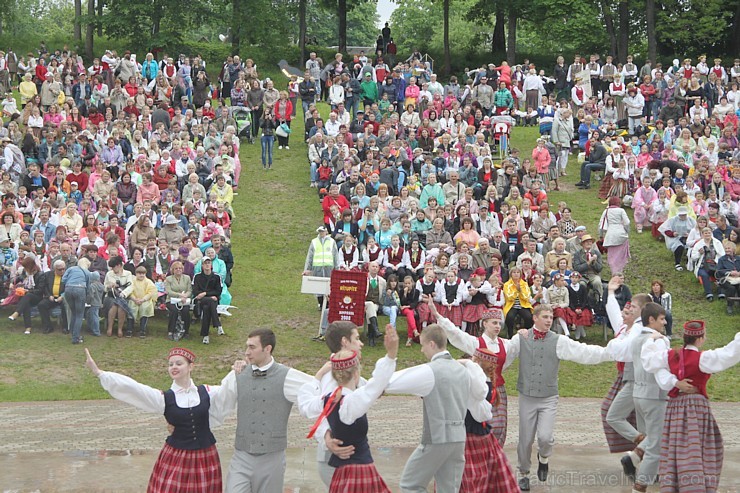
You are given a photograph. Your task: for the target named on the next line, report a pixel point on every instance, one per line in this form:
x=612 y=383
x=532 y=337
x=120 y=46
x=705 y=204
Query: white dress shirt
x=654 y=356
x=468 y=343
x=566 y=349
x=151 y=400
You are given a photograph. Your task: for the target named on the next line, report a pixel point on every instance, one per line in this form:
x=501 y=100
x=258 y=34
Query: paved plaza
x=106 y=446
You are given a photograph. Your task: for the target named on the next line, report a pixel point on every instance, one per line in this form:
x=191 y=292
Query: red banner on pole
x=347 y=296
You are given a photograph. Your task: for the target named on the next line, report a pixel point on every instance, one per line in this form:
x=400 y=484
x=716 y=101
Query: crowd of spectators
x=412 y=189
x=118 y=178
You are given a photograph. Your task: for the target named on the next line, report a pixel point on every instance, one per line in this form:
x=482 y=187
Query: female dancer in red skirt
x=188 y=462
x=346 y=412
x=486 y=468
x=491 y=320
x=691 y=450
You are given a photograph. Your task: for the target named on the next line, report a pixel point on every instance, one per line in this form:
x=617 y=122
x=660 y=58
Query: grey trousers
x=444 y=462
x=622 y=405
x=249 y=473
x=326 y=472
x=536 y=416
x=652 y=412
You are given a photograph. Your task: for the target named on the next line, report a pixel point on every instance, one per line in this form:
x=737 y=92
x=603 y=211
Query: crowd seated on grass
x=417 y=185
x=128 y=169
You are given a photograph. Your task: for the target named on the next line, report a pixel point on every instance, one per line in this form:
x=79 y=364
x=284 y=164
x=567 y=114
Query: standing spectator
x=614 y=230
x=206 y=292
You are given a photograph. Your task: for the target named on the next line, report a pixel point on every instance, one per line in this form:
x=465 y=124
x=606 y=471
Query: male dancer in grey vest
x=448 y=389
x=540 y=352
x=264 y=394
x=626 y=329
x=650 y=399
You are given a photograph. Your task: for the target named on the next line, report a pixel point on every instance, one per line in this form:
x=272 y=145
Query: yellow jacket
x=511 y=292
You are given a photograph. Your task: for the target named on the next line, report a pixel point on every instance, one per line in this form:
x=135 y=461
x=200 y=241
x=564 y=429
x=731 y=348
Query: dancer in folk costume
x=619 y=405
x=449 y=296
x=487 y=470
x=340 y=336
x=475 y=300
x=492 y=320
x=345 y=409
x=449 y=389
x=691 y=449
x=617 y=408
x=188 y=462
x=650 y=399
x=540 y=351
x=426 y=286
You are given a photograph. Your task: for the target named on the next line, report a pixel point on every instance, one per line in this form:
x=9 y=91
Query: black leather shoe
x=628 y=467
x=542 y=470
x=49 y=330
x=524 y=484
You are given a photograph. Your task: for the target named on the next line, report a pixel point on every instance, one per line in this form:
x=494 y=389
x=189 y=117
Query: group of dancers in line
x=657 y=409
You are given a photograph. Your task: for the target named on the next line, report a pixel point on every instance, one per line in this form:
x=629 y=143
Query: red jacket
x=340 y=201
x=279 y=116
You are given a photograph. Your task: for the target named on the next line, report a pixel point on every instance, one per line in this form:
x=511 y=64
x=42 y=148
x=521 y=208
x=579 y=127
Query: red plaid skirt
x=691 y=451
x=357 y=478
x=500 y=421
x=186 y=471
x=560 y=313
x=453 y=314
x=586 y=318
x=425 y=314
x=487 y=469
x=473 y=313
x=617 y=443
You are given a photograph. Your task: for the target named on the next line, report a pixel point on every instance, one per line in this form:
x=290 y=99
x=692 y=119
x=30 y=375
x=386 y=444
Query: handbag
x=283 y=130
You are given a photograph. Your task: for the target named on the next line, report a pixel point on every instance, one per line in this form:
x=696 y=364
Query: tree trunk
x=609 y=23
x=78 y=16
x=446 y=37
x=236 y=29
x=734 y=40
x=498 y=44
x=651 y=34
x=624 y=31
x=101 y=3
x=342 y=14
x=90 y=29
x=302 y=30
x=511 y=38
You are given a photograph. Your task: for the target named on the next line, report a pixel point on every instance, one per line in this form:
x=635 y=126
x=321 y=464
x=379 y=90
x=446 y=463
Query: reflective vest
x=322 y=252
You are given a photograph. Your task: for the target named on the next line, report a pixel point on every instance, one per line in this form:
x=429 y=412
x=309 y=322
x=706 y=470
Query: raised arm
x=461 y=340
x=127 y=389
x=357 y=404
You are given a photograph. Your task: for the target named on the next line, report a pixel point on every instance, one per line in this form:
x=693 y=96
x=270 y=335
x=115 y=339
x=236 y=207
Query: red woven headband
x=694 y=328
x=178 y=351
x=346 y=363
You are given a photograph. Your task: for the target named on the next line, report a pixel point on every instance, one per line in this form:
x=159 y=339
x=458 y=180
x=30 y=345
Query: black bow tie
x=259 y=373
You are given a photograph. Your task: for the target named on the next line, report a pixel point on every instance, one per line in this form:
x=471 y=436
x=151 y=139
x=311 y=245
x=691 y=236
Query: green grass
x=276 y=214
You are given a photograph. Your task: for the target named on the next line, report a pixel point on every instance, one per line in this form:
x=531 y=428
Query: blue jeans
x=392 y=312
x=657 y=105
x=268 y=141
x=353 y=104
x=706 y=281
x=75 y=297
x=588 y=168
x=93 y=319
x=305 y=105
x=314 y=172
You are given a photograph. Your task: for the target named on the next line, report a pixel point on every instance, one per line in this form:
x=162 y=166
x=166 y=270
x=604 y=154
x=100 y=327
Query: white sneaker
x=206 y=340
x=280 y=147
x=221 y=331
x=287 y=148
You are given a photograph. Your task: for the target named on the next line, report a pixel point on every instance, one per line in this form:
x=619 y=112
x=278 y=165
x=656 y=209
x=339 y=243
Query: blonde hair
x=345 y=376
